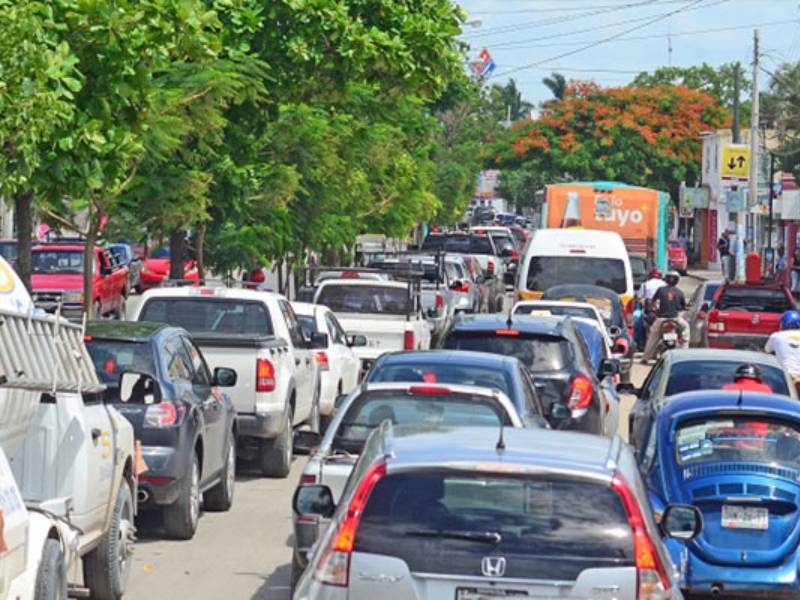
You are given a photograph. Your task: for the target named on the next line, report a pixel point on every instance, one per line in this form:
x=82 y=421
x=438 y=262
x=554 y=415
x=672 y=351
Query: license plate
x=488 y=594
x=745 y=517
x=670 y=337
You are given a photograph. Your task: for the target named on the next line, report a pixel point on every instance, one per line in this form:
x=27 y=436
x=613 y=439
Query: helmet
x=655 y=273
x=748 y=371
x=672 y=278
x=790 y=320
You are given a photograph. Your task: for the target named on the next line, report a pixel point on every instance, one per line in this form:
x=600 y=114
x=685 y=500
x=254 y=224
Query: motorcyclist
x=649 y=288
x=748 y=378
x=667 y=304
x=785 y=344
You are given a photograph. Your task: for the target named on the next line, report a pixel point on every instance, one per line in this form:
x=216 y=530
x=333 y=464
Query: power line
x=660 y=36
x=555 y=20
x=578 y=8
x=608 y=39
x=516 y=43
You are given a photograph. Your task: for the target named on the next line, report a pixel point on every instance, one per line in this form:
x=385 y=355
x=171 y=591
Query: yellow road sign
x=735 y=161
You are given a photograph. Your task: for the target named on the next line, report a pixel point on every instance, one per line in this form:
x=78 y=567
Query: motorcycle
x=670 y=336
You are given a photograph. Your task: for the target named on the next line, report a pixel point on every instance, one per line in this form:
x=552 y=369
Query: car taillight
x=333 y=567
x=162 y=414
x=714 y=324
x=653 y=583
x=308 y=479
x=429 y=390
x=515 y=255
x=265 y=376
x=580 y=392
x=322 y=360
x=439 y=301
x=408 y=340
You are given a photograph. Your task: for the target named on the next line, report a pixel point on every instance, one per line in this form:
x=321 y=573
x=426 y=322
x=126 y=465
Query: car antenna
x=501 y=443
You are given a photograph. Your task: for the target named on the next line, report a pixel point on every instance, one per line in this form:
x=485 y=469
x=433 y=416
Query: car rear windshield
x=750 y=439
x=754 y=300
x=57 y=261
x=112 y=357
x=540 y=353
x=711 y=289
x=210 y=316
x=365 y=299
x=409 y=408
x=308 y=324
x=713 y=374
x=405 y=271
x=9 y=250
x=546 y=271
x=434 y=242
x=447 y=522
x=544 y=310
x=503 y=239
x=465 y=374
x=460 y=244
x=638 y=266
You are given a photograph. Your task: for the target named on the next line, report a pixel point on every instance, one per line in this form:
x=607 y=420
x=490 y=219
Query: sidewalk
x=705 y=275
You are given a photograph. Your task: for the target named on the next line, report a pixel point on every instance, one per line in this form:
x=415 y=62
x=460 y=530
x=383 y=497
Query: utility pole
x=753 y=196
x=736 y=107
x=669 y=44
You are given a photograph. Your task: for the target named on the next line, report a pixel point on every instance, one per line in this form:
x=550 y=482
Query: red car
x=677 y=257
x=57 y=278
x=744 y=315
x=156 y=269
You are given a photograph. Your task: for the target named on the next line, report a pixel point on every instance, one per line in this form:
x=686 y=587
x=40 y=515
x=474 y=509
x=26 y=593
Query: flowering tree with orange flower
x=647 y=136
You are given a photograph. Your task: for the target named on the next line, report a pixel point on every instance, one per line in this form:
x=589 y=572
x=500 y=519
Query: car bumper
x=740 y=341
x=160 y=484
x=261 y=425
x=151 y=280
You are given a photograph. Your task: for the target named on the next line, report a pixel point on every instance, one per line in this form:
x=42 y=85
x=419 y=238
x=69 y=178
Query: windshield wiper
x=485 y=537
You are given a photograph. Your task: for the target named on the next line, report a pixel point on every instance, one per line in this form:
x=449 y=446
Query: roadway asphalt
x=243 y=554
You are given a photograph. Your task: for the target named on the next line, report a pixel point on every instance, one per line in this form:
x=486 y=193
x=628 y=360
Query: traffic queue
x=460 y=445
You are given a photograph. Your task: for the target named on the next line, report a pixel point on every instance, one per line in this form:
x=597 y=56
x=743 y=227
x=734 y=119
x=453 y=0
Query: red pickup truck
x=57 y=278
x=744 y=315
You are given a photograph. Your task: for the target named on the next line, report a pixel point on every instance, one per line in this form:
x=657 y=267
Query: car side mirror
x=319 y=341
x=628 y=388
x=306 y=441
x=356 y=341
x=608 y=367
x=139 y=388
x=314 y=501
x=559 y=412
x=224 y=377
x=681 y=522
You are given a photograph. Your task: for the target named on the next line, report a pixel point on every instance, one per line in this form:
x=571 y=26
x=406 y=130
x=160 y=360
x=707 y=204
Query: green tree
x=557 y=84
x=519 y=186
x=38 y=79
x=781 y=111
x=507 y=101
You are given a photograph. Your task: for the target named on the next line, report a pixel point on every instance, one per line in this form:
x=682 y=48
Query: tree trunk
x=23 y=223
x=177 y=260
x=199 y=240
x=88 y=267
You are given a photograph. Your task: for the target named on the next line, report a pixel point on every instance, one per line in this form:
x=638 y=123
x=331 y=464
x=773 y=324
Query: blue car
x=736 y=457
x=504 y=373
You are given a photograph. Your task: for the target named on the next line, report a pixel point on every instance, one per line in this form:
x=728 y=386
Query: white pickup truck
x=387 y=313
x=257 y=334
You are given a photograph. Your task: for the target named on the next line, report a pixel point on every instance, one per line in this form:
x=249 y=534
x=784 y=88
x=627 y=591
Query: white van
x=562 y=256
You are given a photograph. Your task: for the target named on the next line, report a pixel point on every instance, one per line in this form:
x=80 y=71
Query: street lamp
x=473 y=23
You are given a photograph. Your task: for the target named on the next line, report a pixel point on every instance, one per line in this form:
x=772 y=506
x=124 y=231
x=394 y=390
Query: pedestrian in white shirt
x=785 y=344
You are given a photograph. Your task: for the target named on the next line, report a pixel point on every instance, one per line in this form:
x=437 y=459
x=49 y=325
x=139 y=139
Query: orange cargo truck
x=639 y=215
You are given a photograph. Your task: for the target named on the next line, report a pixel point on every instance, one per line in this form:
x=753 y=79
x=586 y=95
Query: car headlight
x=72 y=297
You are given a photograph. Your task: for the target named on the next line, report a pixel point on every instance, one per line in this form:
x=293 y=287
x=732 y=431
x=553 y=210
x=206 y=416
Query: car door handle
x=297 y=361
x=96 y=433
x=308 y=361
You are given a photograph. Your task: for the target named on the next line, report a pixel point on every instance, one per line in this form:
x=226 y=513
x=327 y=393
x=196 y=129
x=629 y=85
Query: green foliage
x=557 y=84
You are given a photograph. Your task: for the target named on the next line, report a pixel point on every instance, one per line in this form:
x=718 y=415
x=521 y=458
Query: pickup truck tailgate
x=384 y=333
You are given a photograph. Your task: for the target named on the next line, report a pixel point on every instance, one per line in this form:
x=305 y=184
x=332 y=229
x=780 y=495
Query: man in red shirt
x=748 y=379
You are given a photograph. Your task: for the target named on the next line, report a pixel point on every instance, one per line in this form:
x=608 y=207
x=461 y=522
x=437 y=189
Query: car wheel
x=220 y=497
x=51 y=582
x=276 y=454
x=106 y=569
x=181 y=517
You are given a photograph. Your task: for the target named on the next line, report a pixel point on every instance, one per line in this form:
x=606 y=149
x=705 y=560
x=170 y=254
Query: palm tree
x=557 y=84
x=508 y=99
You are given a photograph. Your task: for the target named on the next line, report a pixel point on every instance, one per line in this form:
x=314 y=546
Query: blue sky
x=519 y=33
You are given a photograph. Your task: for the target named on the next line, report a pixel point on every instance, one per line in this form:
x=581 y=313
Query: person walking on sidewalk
x=724 y=249
x=668 y=302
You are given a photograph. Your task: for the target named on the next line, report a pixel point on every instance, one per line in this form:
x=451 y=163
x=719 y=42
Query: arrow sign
x=735 y=163
x=732 y=163
x=741 y=160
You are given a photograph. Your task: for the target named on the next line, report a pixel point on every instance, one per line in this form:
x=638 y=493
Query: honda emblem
x=493 y=566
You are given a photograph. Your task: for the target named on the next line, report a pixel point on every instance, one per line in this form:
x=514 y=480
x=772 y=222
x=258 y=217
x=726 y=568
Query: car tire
x=220 y=497
x=106 y=569
x=276 y=454
x=181 y=517
x=297 y=571
x=51 y=581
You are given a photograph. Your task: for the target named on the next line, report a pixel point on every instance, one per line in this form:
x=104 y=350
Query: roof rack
x=45 y=353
